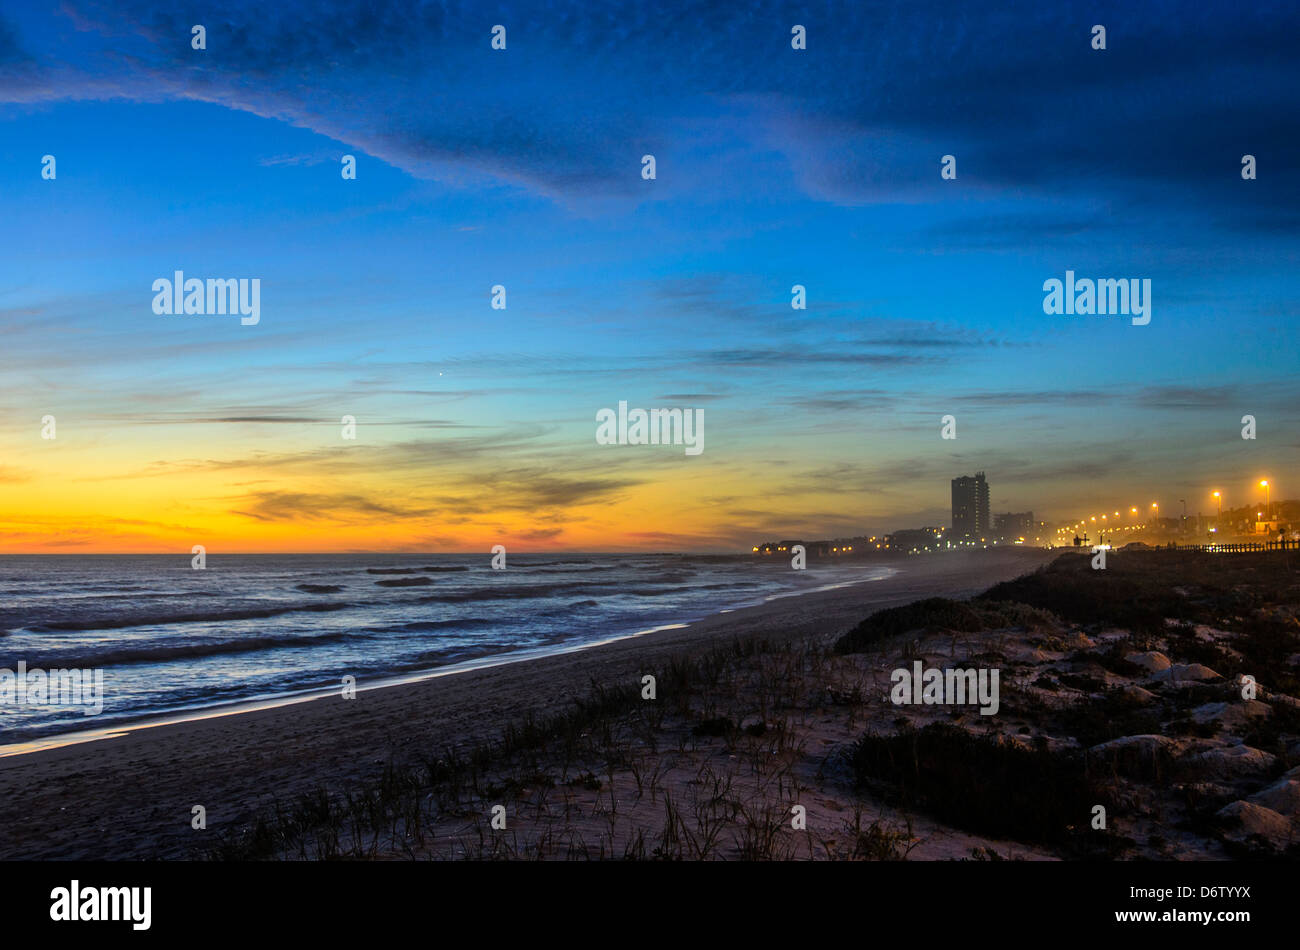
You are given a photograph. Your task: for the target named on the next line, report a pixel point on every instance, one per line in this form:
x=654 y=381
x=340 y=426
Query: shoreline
x=129 y=722
x=129 y=795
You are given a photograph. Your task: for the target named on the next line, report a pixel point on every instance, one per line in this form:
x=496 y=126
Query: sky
x=522 y=167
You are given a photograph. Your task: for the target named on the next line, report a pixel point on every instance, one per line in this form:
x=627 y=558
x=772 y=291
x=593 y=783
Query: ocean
x=169 y=638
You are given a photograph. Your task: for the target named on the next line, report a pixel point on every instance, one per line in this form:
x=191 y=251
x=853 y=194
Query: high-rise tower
x=970 y=507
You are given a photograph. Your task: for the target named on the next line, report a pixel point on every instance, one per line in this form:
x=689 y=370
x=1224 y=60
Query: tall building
x=1013 y=524
x=970 y=507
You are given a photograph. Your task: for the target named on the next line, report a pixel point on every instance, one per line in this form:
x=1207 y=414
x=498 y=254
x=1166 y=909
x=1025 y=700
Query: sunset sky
x=522 y=167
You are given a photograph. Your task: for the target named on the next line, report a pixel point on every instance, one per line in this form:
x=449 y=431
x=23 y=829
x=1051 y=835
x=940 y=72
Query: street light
x=1219 y=500
x=1268 y=494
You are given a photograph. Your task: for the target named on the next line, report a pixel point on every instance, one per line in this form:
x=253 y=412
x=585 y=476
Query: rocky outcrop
x=1180 y=674
x=1151 y=661
x=1140 y=757
x=1248 y=820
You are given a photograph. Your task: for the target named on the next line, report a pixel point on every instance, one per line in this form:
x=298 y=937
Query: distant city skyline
x=522 y=168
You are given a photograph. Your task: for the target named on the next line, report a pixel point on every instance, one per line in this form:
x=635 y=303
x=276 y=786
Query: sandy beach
x=131 y=796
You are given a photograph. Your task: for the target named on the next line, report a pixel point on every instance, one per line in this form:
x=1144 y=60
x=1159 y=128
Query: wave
x=154 y=653
x=152 y=620
x=575 y=605
x=576 y=560
x=538 y=591
x=89 y=594
x=671 y=577
x=513 y=592
x=116 y=588
x=413 y=570
x=417 y=625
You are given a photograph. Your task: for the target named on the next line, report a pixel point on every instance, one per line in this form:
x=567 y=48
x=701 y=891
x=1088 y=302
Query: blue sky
x=522 y=167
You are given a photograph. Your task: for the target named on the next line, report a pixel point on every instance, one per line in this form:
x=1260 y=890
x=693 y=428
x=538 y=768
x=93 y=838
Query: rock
x=1257 y=820
x=1137 y=694
x=1185 y=673
x=1135 y=756
x=1151 y=661
x=1148 y=742
x=1236 y=685
x=1208 y=790
x=1283 y=797
x=1111 y=635
x=1231 y=715
x=1228 y=761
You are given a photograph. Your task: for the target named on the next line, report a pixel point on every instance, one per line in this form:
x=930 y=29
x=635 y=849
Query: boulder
x=1232 y=715
x=1137 y=694
x=1257 y=820
x=1151 y=661
x=1283 y=797
x=1185 y=674
x=1140 y=757
x=1228 y=761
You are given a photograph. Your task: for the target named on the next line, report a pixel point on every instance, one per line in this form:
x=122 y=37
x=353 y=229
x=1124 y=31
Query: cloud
x=188 y=418
x=846 y=400
x=318 y=158
x=540 y=534
x=528 y=488
x=1055 y=397
x=1189 y=397
x=1017 y=94
x=270 y=506
x=766 y=358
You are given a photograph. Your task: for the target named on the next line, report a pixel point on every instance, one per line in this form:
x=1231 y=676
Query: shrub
x=979 y=783
x=938 y=613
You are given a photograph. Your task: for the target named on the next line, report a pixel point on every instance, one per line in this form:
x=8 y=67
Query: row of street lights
x=1268 y=495
x=1155 y=506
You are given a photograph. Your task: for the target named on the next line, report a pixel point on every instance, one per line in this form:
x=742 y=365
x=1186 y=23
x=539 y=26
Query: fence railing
x=1240 y=547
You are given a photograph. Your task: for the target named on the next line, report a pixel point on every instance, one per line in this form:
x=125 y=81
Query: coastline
x=142 y=780
x=194 y=713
